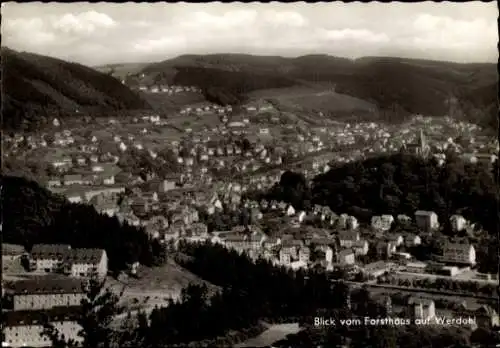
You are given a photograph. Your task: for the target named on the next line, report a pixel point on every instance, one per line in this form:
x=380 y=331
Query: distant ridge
x=37 y=87
x=413 y=86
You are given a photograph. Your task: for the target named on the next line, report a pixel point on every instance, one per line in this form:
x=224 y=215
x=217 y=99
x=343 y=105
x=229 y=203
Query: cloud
x=441 y=31
x=85 y=23
x=354 y=34
x=229 y=20
x=285 y=18
x=104 y=33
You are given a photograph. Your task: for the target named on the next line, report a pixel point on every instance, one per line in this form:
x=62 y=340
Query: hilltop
x=397 y=86
x=37 y=87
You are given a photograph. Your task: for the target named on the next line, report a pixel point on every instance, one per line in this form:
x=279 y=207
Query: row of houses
x=29 y=303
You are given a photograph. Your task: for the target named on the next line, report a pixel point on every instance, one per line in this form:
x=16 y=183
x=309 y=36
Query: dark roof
x=17 y=318
x=84 y=256
x=12 y=249
x=46 y=250
x=45 y=285
x=66 y=254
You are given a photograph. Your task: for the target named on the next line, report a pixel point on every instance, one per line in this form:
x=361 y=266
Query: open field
x=162 y=102
x=155 y=286
x=272 y=334
x=308 y=99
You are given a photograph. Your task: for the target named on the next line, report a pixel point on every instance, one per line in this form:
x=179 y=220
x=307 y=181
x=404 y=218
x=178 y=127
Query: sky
x=103 y=33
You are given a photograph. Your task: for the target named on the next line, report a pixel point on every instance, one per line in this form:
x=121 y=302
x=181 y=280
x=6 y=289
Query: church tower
x=423 y=147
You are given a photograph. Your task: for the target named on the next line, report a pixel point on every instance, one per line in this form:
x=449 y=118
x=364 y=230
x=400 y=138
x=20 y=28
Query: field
x=121 y=70
x=272 y=334
x=167 y=104
x=313 y=99
x=154 y=286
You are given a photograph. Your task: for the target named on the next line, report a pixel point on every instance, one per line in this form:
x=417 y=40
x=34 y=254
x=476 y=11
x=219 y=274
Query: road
x=443 y=293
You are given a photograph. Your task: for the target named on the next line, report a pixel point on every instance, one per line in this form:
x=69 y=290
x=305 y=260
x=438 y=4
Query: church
x=421 y=148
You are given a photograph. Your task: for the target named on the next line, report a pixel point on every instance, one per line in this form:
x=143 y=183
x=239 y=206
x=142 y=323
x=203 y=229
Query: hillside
x=38 y=216
x=36 y=87
x=395 y=85
x=121 y=70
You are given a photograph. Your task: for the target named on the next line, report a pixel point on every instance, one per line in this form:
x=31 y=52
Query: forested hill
x=36 y=87
x=400 y=184
x=35 y=215
x=409 y=85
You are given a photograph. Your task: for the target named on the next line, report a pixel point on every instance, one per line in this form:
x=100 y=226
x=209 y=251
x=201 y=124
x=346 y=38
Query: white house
x=426 y=220
x=458 y=223
x=290 y=211
x=457 y=253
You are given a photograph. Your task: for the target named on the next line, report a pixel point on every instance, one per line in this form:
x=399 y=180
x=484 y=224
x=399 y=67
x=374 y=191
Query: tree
x=98 y=309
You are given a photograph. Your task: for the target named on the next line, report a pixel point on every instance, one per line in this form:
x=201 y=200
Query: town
x=180 y=191
x=264 y=175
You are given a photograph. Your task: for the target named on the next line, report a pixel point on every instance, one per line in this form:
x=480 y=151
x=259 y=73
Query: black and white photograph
x=250 y=175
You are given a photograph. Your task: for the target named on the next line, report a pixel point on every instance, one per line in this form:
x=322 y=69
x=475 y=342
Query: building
x=24 y=329
x=360 y=247
x=422 y=309
x=75 y=262
x=426 y=220
x=348 y=238
x=416 y=267
x=420 y=148
x=48 y=257
x=457 y=253
x=412 y=240
x=378 y=268
x=382 y=223
x=86 y=263
x=352 y=223
x=458 y=223
x=346 y=257
x=304 y=254
x=43 y=293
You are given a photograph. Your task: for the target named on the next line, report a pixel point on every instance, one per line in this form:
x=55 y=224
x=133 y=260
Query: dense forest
x=33 y=215
x=37 y=87
x=405 y=85
x=228 y=87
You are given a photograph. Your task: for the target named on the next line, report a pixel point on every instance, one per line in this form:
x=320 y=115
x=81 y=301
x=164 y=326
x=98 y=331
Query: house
x=75 y=179
x=458 y=223
x=304 y=254
x=86 y=263
x=412 y=240
x=48 y=257
x=348 y=238
x=416 y=267
x=422 y=309
x=23 y=329
x=382 y=223
x=302 y=215
x=395 y=239
x=342 y=221
x=457 y=253
x=403 y=219
x=289 y=250
x=199 y=229
x=346 y=257
x=486 y=317
x=426 y=220
x=43 y=293
x=360 y=247
x=290 y=211
x=352 y=223
x=378 y=268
